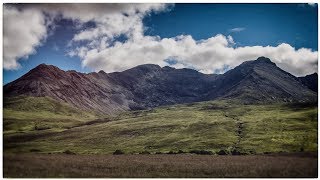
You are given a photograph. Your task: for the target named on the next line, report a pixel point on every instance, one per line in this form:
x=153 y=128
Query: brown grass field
x=163 y=165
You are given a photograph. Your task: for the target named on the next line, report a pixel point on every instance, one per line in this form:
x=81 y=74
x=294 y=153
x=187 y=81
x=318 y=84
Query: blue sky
x=240 y=25
x=264 y=24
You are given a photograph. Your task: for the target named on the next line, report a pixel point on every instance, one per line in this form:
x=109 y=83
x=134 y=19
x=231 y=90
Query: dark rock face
x=153 y=86
x=92 y=91
x=150 y=85
x=262 y=81
x=311 y=81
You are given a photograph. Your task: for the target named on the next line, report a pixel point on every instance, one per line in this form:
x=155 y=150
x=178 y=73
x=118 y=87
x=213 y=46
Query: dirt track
x=181 y=165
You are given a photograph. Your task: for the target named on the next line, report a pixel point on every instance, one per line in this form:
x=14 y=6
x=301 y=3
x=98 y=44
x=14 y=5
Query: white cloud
x=55 y=47
x=208 y=55
x=23 y=31
x=305 y=5
x=312 y=4
x=25 y=26
x=99 y=49
x=85 y=12
x=230 y=40
x=237 y=29
x=111 y=20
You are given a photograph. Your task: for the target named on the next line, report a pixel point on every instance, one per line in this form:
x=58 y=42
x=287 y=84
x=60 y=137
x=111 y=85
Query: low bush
x=201 y=152
x=222 y=152
x=39 y=128
x=35 y=150
x=171 y=152
x=235 y=152
x=118 y=152
x=69 y=152
x=145 y=152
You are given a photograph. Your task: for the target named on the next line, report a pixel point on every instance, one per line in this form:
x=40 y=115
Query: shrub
x=222 y=152
x=35 y=150
x=118 y=152
x=235 y=152
x=171 y=152
x=201 y=152
x=68 y=152
x=181 y=152
x=145 y=152
x=39 y=128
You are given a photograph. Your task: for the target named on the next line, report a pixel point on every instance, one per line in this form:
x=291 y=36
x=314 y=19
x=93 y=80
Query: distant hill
x=261 y=81
x=311 y=81
x=147 y=86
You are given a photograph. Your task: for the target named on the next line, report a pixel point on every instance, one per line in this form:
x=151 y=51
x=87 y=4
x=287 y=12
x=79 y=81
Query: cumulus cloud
x=208 y=56
x=111 y=20
x=23 y=31
x=237 y=29
x=85 y=12
x=306 y=5
x=25 y=25
x=312 y=4
x=99 y=47
x=230 y=40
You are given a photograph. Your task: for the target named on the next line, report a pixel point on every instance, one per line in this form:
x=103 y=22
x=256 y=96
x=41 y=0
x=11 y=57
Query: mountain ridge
x=310 y=81
x=147 y=86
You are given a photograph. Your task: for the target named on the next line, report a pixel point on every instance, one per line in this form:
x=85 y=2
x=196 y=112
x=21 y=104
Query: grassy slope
x=24 y=114
x=213 y=126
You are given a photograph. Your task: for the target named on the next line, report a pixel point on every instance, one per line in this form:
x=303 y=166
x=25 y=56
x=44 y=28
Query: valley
x=256 y=120
x=278 y=140
x=211 y=126
x=160 y=89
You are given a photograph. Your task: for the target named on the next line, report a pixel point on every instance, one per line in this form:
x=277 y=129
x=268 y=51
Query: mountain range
x=147 y=86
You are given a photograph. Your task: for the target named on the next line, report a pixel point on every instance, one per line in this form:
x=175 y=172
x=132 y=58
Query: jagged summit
x=259 y=61
x=149 y=85
x=263 y=59
x=311 y=81
x=102 y=72
x=144 y=68
x=44 y=66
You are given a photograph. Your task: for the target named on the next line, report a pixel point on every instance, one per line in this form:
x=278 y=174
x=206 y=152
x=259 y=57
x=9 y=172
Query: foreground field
x=97 y=166
x=43 y=138
x=214 y=127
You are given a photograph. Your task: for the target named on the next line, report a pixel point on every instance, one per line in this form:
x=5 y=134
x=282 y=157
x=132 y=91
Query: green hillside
x=211 y=126
x=24 y=114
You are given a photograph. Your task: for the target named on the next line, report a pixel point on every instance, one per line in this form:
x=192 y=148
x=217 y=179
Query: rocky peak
x=142 y=70
x=148 y=67
x=45 y=67
x=44 y=71
x=150 y=85
x=102 y=72
x=311 y=81
x=265 y=60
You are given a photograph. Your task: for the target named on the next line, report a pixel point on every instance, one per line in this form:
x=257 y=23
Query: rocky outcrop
x=149 y=85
